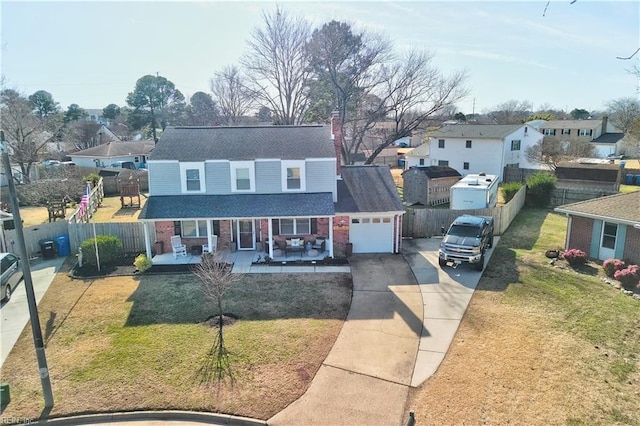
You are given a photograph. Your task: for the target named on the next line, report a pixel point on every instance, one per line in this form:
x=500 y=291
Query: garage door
x=371 y=234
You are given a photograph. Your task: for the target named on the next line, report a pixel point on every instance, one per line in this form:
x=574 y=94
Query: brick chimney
x=605 y=120
x=336 y=135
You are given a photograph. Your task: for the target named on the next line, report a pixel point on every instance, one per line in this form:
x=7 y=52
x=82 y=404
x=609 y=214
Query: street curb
x=137 y=416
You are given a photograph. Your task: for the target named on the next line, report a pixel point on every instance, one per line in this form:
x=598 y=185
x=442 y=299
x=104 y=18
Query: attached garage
x=372 y=234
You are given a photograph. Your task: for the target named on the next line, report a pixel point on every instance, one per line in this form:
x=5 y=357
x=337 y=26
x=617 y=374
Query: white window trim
x=252 y=175
x=197 y=228
x=295 y=225
x=184 y=166
x=285 y=164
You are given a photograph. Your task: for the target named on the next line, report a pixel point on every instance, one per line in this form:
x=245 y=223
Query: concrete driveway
x=14 y=314
x=365 y=378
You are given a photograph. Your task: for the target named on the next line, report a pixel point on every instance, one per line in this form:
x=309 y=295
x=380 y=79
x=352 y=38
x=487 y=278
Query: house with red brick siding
x=253 y=187
x=605 y=227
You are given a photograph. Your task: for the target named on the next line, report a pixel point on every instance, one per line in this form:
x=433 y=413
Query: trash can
x=63 y=246
x=48 y=249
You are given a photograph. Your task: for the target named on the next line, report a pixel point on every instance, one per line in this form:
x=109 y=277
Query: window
x=295 y=226
x=193 y=180
x=422 y=161
x=355 y=220
x=386 y=220
x=440 y=143
x=468 y=144
x=609 y=234
x=566 y=131
x=549 y=132
x=515 y=145
x=443 y=163
x=242 y=176
x=585 y=132
x=465 y=166
x=293 y=175
x=195 y=228
x=192 y=177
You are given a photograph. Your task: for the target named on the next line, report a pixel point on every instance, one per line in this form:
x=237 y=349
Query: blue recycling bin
x=628 y=179
x=62 y=243
x=637 y=180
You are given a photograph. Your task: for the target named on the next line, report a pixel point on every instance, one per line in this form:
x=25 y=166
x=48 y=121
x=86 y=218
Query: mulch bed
x=298 y=262
x=123 y=265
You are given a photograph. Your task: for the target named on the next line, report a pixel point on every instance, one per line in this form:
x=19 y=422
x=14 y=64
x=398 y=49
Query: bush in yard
x=94 y=178
x=142 y=263
x=575 y=257
x=628 y=276
x=509 y=190
x=539 y=187
x=109 y=246
x=610 y=266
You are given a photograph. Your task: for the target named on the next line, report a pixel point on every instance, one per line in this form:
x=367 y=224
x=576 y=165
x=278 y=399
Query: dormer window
x=192 y=177
x=243 y=176
x=293 y=175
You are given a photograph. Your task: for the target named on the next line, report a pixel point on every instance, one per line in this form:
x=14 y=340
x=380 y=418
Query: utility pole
x=473 y=111
x=38 y=341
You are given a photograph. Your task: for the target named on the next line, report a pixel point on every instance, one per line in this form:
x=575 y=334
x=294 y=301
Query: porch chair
x=214 y=245
x=177 y=247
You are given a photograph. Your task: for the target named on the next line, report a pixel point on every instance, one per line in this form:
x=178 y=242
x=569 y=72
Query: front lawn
x=539 y=343
x=121 y=344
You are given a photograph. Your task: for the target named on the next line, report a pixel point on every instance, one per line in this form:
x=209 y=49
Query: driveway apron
x=366 y=376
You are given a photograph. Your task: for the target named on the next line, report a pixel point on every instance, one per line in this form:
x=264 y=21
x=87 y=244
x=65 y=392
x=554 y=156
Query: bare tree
x=27 y=133
x=278 y=68
x=552 y=151
x=510 y=112
x=623 y=112
x=231 y=93
x=83 y=134
x=216 y=279
x=631 y=141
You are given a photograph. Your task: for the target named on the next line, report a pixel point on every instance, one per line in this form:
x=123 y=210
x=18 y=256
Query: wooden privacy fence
x=130 y=233
x=560 y=196
x=424 y=223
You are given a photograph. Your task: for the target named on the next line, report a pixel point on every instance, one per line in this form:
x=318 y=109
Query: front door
x=246 y=235
x=608 y=241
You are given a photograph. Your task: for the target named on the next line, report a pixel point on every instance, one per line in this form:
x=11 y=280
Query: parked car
x=466 y=241
x=11 y=274
x=124 y=165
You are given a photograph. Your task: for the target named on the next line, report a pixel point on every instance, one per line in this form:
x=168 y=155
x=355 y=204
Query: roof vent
x=473 y=182
x=482 y=174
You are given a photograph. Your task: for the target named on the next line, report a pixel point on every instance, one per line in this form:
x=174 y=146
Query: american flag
x=84 y=202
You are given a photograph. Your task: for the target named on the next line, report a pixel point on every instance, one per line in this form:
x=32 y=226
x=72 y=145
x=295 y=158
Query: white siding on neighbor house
x=268 y=177
x=602 y=150
x=528 y=138
x=105 y=162
x=483 y=156
x=164 y=178
x=83 y=161
x=321 y=177
x=411 y=161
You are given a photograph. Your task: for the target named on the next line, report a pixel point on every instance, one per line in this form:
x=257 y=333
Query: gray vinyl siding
x=320 y=176
x=164 y=178
x=218 y=178
x=268 y=178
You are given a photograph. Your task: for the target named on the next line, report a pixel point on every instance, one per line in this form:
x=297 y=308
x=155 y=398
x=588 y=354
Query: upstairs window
x=242 y=176
x=443 y=163
x=243 y=179
x=422 y=161
x=465 y=166
x=192 y=177
x=468 y=144
x=549 y=132
x=515 y=145
x=566 y=131
x=585 y=132
x=440 y=143
x=293 y=175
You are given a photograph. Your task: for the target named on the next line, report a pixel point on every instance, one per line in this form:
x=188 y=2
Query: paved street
x=14 y=314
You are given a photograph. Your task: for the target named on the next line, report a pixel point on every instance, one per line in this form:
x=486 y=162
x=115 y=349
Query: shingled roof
x=476 y=131
x=621 y=208
x=367 y=189
x=244 y=143
x=117 y=149
x=436 y=171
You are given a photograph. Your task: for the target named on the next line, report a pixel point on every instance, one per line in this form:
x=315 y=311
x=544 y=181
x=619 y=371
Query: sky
x=91 y=53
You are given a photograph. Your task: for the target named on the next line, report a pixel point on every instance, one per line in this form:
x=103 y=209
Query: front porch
x=243 y=262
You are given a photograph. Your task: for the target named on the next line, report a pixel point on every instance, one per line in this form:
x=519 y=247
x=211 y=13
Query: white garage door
x=371 y=234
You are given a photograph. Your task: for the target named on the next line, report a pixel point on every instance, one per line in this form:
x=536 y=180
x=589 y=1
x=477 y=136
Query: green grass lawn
x=120 y=344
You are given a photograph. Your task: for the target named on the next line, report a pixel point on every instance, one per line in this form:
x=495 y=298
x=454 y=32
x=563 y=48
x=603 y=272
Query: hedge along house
x=252 y=185
x=605 y=227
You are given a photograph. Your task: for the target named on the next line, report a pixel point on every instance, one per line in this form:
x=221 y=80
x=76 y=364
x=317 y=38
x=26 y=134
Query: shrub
x=610 y=266
x=539 y=187
x=94 y=178
x=575 y=257
x=109 y=246
x=509 y=190
x=142 y=263
x=628 y=276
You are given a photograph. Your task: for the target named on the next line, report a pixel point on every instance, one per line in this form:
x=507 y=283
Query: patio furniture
x=319 y=244
x=291 y=245
x=177 y=247
x=214 y=245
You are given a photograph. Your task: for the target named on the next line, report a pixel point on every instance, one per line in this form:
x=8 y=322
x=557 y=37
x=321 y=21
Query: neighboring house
x=252 y=185
x=602 y=135
x=605 y=227
x=429 y=185
x=96 y=116
x=111 y=152
x=483 y=148
x=417 y=157
x=105 y=134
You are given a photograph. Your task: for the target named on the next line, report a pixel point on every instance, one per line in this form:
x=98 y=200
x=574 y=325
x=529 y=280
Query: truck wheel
x=442 y=263
x=480 y=265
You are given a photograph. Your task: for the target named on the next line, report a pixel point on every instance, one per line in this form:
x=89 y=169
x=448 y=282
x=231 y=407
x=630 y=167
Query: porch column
x=209 y=233
x=270 y=238
x=331 y=236
x=147 y=242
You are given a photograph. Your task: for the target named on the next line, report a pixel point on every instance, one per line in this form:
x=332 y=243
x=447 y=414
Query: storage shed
x=428 y=185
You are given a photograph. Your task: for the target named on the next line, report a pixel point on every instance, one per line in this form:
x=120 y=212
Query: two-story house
x=602 y=135
x=254 y=186
x=483 y=148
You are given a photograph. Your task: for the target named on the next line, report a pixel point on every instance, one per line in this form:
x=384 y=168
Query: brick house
x=251 y=185
x=605 y=227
